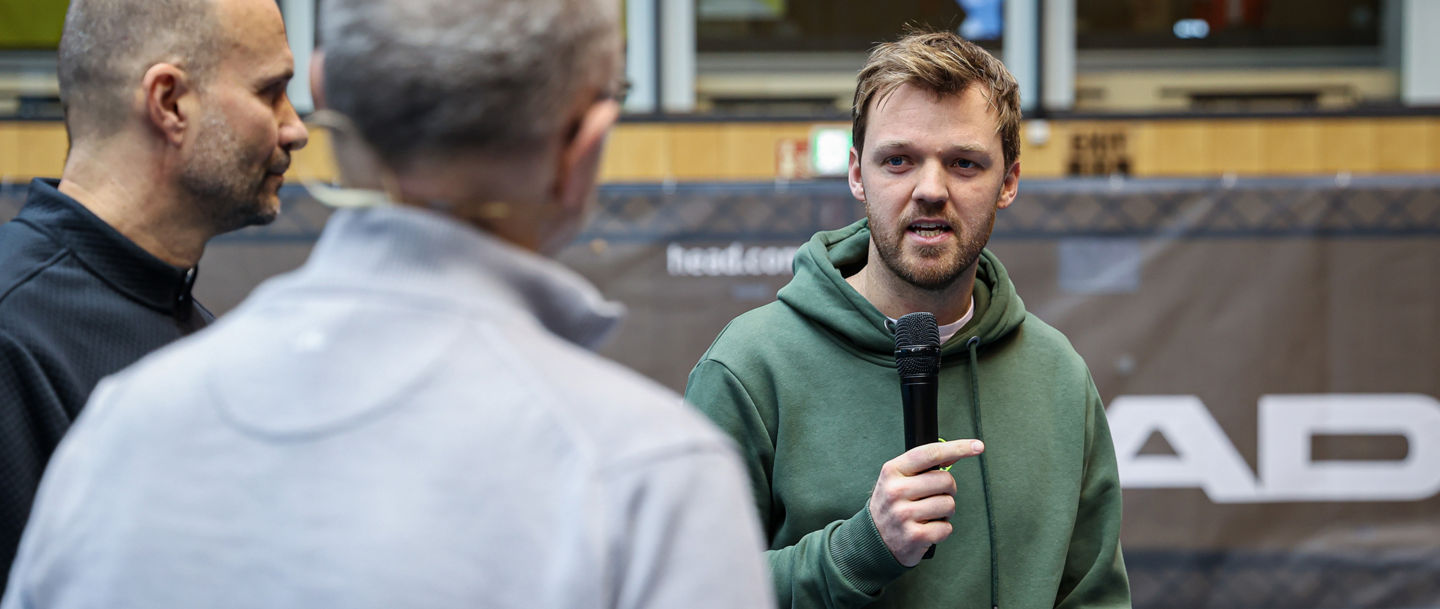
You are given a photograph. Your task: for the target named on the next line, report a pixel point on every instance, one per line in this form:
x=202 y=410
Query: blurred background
x=1231 y=207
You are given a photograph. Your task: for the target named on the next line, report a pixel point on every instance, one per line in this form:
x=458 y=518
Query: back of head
x=944 y=64
x=107 y=45
x=424 y=78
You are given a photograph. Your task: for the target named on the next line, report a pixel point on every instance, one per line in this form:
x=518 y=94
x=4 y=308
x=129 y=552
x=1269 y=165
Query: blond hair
x=944 y=64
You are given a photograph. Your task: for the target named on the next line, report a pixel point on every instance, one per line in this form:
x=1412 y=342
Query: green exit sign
x=829 y=150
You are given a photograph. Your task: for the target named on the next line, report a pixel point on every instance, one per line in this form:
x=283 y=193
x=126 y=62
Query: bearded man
x=1026 y=512
x=179 y=131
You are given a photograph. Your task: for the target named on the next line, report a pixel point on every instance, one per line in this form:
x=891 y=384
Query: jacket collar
x=111 y=256
x=394 y=247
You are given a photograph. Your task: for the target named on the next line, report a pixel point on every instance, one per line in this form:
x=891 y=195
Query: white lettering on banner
x=734 y=260
x=1204 y=457
x=1288 y=421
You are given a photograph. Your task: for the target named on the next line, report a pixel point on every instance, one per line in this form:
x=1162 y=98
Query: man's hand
x=911 y=498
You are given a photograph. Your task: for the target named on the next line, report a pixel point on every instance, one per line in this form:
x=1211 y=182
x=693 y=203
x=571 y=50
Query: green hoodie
x=807 y=386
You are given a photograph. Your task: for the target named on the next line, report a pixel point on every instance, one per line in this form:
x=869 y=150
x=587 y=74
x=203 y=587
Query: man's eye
x=964 y=164
x=274 y=92
x=894 y=161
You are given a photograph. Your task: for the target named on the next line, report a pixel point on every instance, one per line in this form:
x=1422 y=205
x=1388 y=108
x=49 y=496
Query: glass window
x=824 y=25
x=1122 y=24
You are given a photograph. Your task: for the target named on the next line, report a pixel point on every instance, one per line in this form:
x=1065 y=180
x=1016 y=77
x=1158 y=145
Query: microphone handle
x=918 y=395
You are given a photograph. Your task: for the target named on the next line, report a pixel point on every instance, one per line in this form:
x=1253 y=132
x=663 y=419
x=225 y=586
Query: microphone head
x=917 y=344
x=917 y=330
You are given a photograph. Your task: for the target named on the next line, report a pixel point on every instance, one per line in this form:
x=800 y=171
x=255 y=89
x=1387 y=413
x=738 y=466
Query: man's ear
x=857 y=187
x=317 y=78
x=165 y=85
x=580 y=157
x=1010 y=187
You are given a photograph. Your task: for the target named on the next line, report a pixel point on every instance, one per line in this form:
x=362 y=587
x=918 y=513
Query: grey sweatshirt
x=412 y=419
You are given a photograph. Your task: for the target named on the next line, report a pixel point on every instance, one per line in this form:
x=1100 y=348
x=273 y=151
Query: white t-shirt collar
x=950 y=329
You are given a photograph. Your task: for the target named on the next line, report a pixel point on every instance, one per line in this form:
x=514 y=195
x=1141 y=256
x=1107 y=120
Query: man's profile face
x=247 y=127
x=932 y=174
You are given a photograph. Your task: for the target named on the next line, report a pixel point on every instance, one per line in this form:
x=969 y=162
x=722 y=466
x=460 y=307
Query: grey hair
x=423 y=78
x=107 y=45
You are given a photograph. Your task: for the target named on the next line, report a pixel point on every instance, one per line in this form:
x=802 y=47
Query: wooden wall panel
x=1347 y=145
x=1145 y=145
x=695 y=151
x=755 y=146
x=1044 y=159
x=1433 y=146
x=1290 y=147
x=1407 y=145
x=31 y=149
x=1235 y=148
x=720 y=151
x=1178 y=149
x=314 y=161
x=636 y=153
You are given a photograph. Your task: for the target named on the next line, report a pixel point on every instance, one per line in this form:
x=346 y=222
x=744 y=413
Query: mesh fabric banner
x=1269 y=350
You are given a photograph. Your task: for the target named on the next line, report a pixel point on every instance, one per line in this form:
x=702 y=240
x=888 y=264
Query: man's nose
x=930 y=184
x=293 y=134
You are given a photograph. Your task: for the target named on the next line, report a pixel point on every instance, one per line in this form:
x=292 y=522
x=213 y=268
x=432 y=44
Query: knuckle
x=939 y=483
x=940 y=531
x=912 y=531
x=947 y=503
x=934 y=453
x=892 y=493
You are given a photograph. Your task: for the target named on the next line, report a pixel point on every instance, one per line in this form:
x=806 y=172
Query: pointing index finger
x=939 y=454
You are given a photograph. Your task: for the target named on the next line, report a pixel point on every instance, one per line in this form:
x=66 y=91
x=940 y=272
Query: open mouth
x=929 y=229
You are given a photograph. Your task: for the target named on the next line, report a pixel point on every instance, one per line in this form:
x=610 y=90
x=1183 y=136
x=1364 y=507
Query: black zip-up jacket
x=78 y=301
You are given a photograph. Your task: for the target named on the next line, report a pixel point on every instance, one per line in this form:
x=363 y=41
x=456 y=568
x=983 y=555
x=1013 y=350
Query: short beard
x=217 y=182
x=932 y=279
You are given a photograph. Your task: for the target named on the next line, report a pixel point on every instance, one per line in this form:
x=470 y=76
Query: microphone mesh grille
x=914 y=366
x=917 y=330
x=917 y=345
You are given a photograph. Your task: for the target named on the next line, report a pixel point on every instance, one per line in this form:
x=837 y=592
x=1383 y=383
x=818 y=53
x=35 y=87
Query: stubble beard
x=221 y=185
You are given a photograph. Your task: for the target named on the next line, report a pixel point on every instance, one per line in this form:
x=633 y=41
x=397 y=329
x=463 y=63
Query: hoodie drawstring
x=973 y=344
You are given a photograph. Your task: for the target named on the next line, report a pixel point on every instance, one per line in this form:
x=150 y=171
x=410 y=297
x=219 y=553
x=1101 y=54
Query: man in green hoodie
x=1028 y=515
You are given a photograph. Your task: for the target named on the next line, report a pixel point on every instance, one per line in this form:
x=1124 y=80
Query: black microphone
x=917 y=357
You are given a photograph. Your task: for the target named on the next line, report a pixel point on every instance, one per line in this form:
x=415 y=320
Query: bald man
x=179 y=130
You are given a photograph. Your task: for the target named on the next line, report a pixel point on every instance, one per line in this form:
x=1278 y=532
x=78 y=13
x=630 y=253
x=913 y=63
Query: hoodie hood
x=819 y=292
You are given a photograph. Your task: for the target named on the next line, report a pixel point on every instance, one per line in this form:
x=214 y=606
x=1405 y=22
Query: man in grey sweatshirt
x=413 y=418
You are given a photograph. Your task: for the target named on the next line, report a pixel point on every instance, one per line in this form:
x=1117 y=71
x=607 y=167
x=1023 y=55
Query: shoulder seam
x=52 y=261
x=748 y=394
